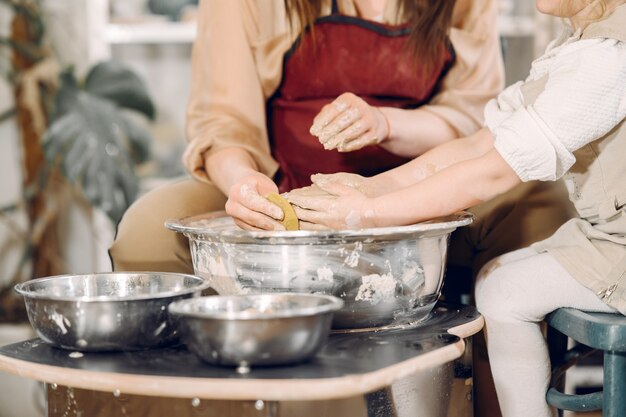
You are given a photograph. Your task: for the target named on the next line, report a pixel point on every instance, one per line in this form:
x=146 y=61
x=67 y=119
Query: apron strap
x=334 y=7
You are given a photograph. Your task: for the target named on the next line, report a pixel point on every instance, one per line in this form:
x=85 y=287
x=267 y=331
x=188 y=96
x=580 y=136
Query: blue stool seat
x=593 y=331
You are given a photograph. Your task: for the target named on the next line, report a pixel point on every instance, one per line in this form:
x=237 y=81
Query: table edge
x=235 y=389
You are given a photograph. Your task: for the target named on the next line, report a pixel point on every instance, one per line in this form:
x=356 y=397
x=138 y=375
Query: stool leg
x=614 y=404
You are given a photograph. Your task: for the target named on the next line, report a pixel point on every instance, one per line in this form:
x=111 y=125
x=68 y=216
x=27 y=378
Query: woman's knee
x=143 y=241
x=146 y=216
x=176 y=200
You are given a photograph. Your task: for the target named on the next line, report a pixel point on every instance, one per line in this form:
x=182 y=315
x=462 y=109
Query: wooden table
x=355 y=374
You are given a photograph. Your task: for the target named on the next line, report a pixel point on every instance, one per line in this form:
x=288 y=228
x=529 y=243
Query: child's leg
x=514 y=293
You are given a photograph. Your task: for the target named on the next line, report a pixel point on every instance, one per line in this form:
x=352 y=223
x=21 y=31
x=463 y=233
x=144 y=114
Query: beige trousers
x=144 y=244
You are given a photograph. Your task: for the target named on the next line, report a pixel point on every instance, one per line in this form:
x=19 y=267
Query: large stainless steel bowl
x=385 y=276
x=268 y=329
x=107 y=311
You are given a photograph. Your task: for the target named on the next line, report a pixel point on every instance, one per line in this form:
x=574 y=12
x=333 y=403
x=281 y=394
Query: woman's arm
x=226 y=106
x=226 y=126
x=235 y=171
x=405 y=139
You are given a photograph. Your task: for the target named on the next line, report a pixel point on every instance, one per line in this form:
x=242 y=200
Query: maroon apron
x=345 y=54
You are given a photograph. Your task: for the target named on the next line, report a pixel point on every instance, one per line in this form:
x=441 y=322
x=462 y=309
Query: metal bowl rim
x=179 y=307
x=21 y=288
x=444 y=225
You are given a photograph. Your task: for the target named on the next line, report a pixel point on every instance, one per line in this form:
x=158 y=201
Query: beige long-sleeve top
x=237 y=65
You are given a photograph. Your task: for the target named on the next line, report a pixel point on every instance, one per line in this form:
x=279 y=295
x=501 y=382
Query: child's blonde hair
x=594 y=10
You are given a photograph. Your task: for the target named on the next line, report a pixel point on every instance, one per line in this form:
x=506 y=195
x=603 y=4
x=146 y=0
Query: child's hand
x=332 y=205
x=349 y=123
x=365 y=185
x=248 y=207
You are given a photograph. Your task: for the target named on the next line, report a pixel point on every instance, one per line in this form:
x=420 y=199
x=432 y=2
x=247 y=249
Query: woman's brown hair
x=430 y=21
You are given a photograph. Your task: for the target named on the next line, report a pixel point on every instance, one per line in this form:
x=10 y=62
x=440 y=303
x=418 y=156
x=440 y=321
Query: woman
x=248 y=58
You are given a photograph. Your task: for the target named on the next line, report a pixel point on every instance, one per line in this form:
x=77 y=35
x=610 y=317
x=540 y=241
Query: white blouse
x=584 y=99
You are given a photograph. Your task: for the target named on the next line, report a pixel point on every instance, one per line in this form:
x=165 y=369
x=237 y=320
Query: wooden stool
x=593 y=331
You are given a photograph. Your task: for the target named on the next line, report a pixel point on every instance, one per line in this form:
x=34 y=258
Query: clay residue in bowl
x=376 y=288
x=325 y=273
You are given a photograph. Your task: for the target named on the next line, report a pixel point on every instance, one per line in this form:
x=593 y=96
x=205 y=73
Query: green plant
x=93 y=142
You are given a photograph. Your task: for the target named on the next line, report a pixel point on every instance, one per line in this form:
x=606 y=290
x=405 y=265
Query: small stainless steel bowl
x=107 y=311
x=262 y=329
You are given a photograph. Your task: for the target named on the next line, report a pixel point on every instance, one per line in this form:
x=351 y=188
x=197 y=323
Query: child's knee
x=499 y=296
x=489 y=300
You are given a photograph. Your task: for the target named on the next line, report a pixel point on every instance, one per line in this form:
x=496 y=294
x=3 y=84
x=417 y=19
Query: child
x=566 y=119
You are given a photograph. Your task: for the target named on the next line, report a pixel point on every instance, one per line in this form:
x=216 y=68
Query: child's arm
x=461 y=185
x=435 y=160
x=412 y=172
x=447 y=179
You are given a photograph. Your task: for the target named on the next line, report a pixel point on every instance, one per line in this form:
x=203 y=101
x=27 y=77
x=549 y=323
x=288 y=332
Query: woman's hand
x=332 y=205
x=349 y=123
x=249 y=208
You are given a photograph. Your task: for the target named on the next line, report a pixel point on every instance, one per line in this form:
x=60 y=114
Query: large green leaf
x=114 y=81
x=97 y=147
x=66 y=96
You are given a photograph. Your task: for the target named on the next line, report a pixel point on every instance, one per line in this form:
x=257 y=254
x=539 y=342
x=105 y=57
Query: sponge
x=290 y=219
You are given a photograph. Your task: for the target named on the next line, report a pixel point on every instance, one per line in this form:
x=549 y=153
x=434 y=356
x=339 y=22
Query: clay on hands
x=349 y=123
